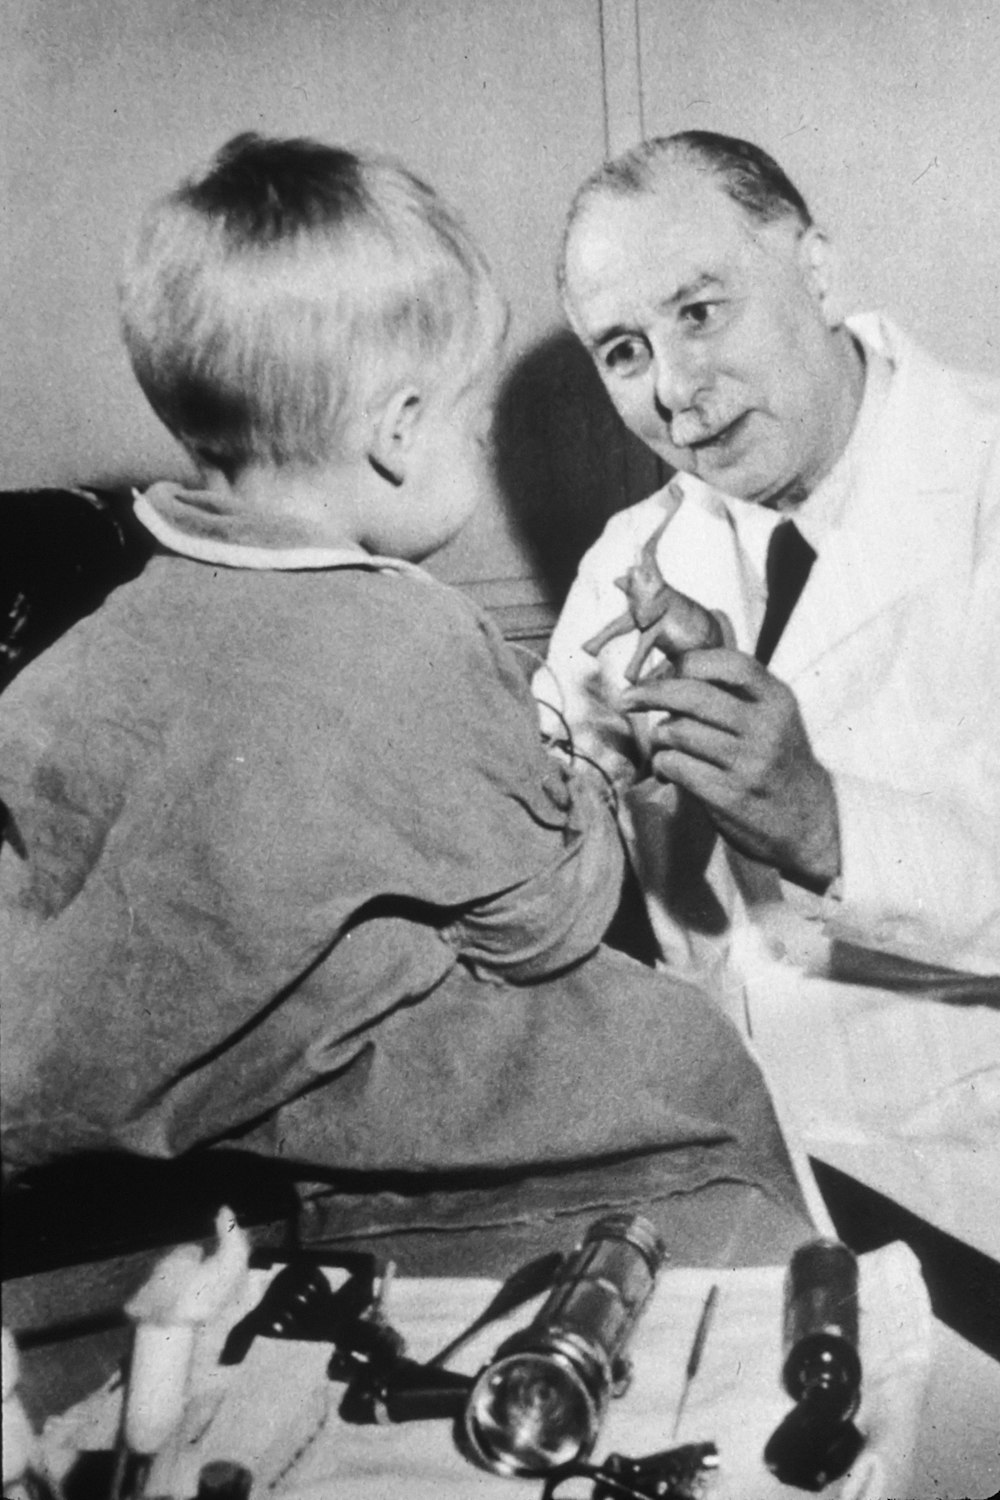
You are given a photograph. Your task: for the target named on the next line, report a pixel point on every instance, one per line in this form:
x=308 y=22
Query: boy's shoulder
x=398 y=631
x=408 y=621
x=410 y=588
x=237 y=650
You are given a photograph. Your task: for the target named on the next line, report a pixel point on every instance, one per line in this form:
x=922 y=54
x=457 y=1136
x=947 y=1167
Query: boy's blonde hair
x=271 y=302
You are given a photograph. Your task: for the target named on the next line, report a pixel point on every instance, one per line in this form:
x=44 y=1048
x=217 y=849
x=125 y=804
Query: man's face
x=712 y=336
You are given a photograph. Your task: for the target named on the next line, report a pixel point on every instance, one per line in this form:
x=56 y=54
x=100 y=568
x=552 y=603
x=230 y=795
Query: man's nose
x=680 y=378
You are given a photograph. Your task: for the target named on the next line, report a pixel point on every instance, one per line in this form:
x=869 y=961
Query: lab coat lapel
x=895 y=533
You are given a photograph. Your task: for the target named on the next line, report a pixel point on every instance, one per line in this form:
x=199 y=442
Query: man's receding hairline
x=743 y=173
x=680 y=165
x=669 y=171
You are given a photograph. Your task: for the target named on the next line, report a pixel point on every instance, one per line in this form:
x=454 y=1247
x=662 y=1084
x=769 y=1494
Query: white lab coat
x=893 y=653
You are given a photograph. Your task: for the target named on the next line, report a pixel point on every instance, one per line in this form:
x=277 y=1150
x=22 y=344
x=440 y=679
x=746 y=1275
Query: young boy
x=286 y=864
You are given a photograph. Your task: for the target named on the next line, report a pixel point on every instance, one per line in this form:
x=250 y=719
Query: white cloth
x=893 y=653
x=277 y=1413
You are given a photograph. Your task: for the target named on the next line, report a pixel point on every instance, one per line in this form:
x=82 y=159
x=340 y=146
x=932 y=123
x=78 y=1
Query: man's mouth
x=716 y=439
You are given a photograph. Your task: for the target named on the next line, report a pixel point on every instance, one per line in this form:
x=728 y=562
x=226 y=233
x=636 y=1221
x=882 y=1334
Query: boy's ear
x=392 y=435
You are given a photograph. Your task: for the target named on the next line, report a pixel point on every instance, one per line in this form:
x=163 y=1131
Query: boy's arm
x=557 y=915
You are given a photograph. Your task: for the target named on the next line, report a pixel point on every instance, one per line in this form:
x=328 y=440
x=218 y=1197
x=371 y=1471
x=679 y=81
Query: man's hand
x=735 y=739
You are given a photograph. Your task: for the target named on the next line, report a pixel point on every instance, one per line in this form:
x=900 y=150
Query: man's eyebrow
x=692 y=289
x=683 y=293
x=616 y=331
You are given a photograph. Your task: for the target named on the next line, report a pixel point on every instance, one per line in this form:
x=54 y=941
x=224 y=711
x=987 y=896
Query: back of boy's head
x=273 y=302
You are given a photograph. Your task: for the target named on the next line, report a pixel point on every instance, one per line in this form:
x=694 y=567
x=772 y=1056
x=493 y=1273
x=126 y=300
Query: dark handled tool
x=697 y=1350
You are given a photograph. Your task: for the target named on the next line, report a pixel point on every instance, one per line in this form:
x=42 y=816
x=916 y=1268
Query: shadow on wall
x=564 y=460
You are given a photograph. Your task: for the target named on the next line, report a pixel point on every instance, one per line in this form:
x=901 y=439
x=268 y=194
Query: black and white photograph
x=500 y=749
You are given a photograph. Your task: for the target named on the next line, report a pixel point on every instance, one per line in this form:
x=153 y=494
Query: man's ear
x=818 y=263
x=393 y=433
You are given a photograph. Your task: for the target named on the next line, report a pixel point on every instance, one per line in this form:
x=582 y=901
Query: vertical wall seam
x=639 y=76
x=620 y=65
x=604 y=76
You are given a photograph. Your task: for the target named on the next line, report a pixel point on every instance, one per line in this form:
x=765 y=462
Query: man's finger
x=704 y=699
x=701 y=778
x=674 y=694
x=705 y=703
x=732 y=669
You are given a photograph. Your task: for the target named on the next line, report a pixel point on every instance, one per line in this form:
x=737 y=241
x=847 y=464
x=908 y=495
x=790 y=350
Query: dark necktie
x=789 y=559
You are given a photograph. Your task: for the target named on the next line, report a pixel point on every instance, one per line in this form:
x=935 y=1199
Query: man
x=818 y=833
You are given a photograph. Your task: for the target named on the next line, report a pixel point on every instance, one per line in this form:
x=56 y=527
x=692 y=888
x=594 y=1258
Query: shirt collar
x=165 y=507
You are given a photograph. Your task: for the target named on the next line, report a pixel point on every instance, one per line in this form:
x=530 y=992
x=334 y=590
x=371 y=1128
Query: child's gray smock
x=286 y=861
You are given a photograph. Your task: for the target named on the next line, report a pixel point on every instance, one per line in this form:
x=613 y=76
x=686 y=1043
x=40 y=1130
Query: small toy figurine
x=666 y=619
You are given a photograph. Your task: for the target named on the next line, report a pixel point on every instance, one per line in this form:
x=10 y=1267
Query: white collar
x=240 y=555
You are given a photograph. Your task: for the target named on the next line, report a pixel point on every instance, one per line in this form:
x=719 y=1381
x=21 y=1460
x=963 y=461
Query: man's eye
x=699 y=314
x=627 y=357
